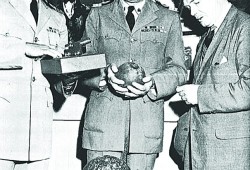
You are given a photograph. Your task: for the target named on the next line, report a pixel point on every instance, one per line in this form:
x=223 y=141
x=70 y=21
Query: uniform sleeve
x=174 y=73
x=63 y=35
x=235 y=96
x=91 y=32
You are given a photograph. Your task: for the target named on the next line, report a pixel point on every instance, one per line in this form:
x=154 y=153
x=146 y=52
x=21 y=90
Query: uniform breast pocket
x=110 y=42
x=9 y=35
x=12 y=31
x=53 y=36
x=10 y=42
x=152 y=49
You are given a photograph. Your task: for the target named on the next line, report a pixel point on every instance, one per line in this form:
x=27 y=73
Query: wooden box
x=73 y=64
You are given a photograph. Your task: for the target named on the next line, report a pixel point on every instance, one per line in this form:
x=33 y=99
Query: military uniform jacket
x=25 y=97
x=156 y=44
x=219 y=126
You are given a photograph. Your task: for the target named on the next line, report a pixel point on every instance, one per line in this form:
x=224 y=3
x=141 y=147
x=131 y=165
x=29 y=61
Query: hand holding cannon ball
x=129 y=80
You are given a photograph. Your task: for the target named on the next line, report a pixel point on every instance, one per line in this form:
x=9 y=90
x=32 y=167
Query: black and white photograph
x=125 y=85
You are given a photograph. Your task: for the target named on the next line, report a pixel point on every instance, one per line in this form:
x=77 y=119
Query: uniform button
x=35 y=39
x=33 y=78
x=132 y=40
x=132 y=60
x=198 y=81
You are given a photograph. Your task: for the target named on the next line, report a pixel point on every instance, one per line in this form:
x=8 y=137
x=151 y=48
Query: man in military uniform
x=154 y=41
x=29 y=30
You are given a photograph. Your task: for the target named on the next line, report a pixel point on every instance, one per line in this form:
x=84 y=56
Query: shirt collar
x=222 y=16
x=27 y=2
x=138 y=6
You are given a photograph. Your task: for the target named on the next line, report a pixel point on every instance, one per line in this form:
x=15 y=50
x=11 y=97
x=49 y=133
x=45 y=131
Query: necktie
x=208 y=38
x=130 y=17
x=34 y=9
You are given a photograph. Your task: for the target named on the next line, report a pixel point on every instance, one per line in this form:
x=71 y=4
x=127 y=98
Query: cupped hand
x=34 y=50
x=137 y=90
x=114 y=81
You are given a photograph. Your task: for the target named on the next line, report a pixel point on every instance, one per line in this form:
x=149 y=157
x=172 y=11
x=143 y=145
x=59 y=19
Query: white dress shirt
x=138 y=7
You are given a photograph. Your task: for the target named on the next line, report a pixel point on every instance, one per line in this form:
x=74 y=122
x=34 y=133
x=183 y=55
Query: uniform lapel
x=117 y=15
x=24 y=12
x=146 y=16
x=218 y=42
x=43 y=15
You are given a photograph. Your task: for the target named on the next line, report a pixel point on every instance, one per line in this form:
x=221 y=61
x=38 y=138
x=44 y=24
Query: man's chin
x=204 y=23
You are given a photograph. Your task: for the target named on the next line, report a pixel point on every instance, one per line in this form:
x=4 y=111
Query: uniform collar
x=138 y=6
x=27 y=2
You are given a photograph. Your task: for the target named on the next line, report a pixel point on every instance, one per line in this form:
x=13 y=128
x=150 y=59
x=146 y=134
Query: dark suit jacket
x=220 y=125
x=156 y=44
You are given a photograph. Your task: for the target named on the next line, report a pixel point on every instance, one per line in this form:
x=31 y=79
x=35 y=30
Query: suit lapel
x=43 y=16
x=219 y=40
x=24 y=12
x=146 y=16
x=197 y=60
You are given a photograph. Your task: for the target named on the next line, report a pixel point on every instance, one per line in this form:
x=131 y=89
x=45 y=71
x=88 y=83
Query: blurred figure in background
x=76 y=14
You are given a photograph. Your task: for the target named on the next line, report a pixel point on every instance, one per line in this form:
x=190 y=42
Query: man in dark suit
x=215 y=133
x=154 y=41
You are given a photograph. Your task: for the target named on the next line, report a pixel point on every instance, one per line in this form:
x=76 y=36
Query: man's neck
x=135 y=4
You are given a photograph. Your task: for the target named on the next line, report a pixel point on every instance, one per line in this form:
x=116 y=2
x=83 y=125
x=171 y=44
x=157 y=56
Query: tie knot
x=33 y=3
x=130 y=9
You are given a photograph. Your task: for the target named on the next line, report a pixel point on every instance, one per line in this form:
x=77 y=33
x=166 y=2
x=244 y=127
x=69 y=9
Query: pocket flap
x=233 y=132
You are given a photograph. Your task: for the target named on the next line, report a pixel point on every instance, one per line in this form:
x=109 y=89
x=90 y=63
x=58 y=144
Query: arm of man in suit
x=235 y=96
